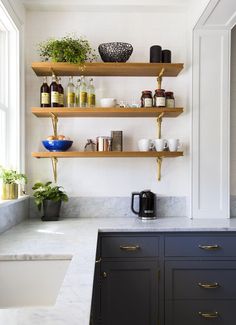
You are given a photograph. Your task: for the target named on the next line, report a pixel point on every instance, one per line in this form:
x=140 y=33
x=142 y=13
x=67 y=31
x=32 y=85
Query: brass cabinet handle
x=104 y=274
x=212 y=285
x=129 y=247
x=209 y=247
x=98 y=261
x=213 y=314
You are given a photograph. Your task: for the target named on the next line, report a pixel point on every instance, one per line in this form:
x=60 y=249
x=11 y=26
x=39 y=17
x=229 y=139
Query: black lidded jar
x=155 y=54
x=159 y=98
x=146 y=98
x=166 y=56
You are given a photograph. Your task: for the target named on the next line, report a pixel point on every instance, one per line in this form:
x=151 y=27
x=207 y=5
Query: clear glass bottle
x=70 y=93
x=91 y=94
x=61 y=93
x=77 y=93
x=45 y=94
x=83 y=93
x=54 y=94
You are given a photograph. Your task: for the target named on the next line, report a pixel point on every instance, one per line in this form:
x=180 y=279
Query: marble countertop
x=33 y=239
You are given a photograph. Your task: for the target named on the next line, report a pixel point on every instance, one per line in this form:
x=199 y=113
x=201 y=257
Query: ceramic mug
x=160 y=144
x=144 y=144
x=173 y=144
x=108 y=102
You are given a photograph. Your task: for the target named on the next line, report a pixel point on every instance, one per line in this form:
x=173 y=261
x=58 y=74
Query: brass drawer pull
x=209 y=247
x=130 y=248
x=213 y=314
x=212 y=285
x=98 y=261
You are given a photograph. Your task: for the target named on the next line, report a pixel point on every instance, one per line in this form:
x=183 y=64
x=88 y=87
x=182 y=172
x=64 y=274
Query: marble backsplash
x=86 y=207
x=13 y=212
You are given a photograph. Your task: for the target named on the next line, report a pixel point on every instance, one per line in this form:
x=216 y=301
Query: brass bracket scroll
x=159 y=78
x=54 y=168
x=54 y=123
x=159 y=121
x=159 y=163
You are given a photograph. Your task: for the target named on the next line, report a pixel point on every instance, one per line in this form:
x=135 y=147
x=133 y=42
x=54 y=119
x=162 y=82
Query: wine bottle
x=61 y=93
x=54 y=94
x=45 y=94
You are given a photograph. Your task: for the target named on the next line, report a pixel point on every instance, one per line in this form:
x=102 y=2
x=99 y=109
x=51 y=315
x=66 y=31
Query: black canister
x=166 y=56
x=155 y=54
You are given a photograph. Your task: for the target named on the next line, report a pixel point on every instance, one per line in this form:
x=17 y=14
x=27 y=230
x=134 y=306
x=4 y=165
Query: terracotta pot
x=9 y=191
x=51 y=210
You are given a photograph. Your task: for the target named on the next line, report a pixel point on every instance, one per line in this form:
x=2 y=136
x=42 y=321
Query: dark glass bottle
x=61 y=93
x=45 y=94
x=54 y=92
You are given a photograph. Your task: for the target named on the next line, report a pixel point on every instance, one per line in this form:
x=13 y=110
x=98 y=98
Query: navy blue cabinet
x=165 y=279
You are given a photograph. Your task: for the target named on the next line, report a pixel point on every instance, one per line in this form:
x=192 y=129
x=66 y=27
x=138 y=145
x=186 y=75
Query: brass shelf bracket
x=54 y=123
x=159 y=121
x=159 y=163
x=159 y=78
x=54 y=168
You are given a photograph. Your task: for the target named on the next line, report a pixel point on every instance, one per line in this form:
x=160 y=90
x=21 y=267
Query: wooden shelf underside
x=107 y=69
x=108 y=154
x=107 y=112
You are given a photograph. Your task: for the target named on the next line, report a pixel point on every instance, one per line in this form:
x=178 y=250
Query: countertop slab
x=33 y=239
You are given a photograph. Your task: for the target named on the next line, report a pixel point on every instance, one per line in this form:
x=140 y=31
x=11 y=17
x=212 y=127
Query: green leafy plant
x=48 y=192
x=71 y=49
x=10 y=176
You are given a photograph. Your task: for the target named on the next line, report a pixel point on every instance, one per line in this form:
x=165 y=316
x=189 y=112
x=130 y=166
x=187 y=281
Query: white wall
x=112 y=177
x=233 y=115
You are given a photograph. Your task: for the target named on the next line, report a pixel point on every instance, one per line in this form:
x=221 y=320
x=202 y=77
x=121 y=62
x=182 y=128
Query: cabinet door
x=129 y=292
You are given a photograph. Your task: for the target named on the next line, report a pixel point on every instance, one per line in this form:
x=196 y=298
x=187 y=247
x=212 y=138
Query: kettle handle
x=132 y=202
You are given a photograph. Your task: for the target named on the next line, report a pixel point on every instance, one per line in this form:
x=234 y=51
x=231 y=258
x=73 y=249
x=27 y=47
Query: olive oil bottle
x=45 y=94
x=70 y=93
x=83 y=98
x=77 y=93
x=91 y=94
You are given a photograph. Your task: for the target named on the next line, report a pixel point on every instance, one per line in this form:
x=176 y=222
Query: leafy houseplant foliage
x=67 y=49
x=10 y=176
x=48 y=192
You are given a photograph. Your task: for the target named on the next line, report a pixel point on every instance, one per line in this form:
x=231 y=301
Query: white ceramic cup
x=173 y=144
x=144 y=144
x=108 y=102
x=160 y=144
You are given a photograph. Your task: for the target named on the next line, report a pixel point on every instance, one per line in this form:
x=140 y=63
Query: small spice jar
x=160 y=98
x=170 y=100
x=146 y=99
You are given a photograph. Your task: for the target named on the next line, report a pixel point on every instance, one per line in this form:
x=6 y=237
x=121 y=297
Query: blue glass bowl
x=57 y=145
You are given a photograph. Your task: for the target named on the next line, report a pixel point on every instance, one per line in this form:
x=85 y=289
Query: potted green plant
x=10 y=182
x=50 y=198
x=70 y=49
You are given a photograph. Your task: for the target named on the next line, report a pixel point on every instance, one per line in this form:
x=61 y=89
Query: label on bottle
x=54 y=97
x=91 y=100
x=147 y=102
x=170 y=103
x=77 y=99
x=83 y=98
x=45 y=98
x=160 y=101
x=61 y=100
x=70 y=99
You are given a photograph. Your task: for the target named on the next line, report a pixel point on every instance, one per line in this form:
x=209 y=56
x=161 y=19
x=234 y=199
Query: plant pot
x=9 y=191
x=51 y=210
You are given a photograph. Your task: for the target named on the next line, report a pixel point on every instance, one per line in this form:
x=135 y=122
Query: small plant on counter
x=70 y=49
x=10 y=181
x=50 y=198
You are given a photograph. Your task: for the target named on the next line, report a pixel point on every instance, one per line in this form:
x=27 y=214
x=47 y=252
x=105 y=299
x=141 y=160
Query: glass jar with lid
x=170 y=100
x=160 y=98
x=146 y=99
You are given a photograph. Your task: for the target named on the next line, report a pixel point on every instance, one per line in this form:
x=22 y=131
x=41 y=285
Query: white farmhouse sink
x=27 y=281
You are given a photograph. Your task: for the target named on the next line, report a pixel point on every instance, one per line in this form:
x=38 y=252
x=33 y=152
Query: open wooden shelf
x=107 y=69
x=107 y=112
x=108 y=154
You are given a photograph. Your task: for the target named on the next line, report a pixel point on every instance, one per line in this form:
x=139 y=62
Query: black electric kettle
x=147 y=204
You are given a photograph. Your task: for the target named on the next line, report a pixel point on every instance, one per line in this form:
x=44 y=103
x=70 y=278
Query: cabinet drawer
x=200 y=280
x=200 y=246
x=129 y=246
x=188 y=312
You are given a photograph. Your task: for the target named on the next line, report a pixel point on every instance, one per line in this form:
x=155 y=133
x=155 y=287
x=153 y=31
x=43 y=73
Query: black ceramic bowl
x=115 y=51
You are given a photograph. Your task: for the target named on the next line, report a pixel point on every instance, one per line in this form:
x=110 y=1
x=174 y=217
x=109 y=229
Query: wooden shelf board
x=107 y=112
x=108 y=154
x=107 y=69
